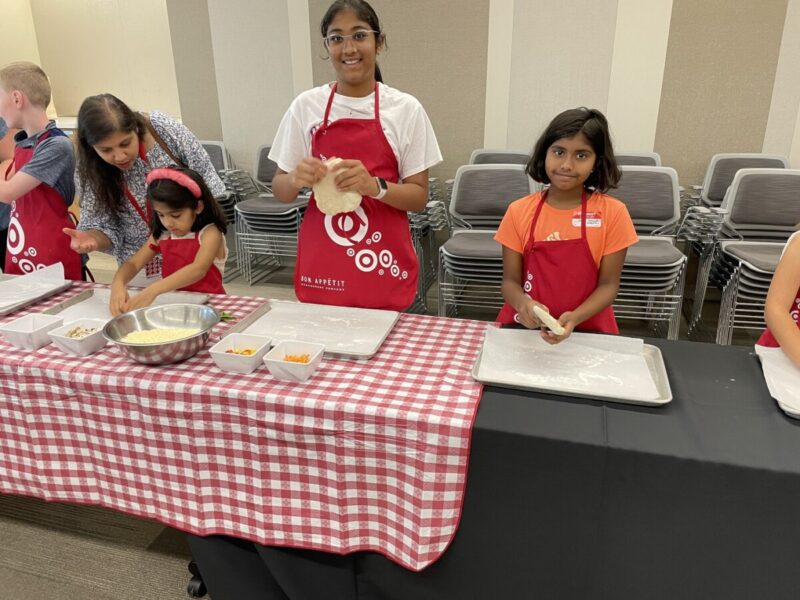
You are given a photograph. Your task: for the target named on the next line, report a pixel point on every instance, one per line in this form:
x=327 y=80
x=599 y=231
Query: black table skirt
x=571 y=498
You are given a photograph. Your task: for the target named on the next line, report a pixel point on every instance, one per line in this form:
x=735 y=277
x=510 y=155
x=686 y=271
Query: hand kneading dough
x=330 y=200
x=548 y=319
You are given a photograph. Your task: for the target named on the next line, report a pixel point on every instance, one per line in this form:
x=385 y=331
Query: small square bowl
x=293 y=371
x=30 y=332
x=80 y=346
x=240 y=363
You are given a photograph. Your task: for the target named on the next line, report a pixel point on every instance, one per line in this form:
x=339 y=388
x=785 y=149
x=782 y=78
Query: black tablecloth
x=571 y=498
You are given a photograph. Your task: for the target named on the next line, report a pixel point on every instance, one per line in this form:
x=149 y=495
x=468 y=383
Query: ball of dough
x=330 y=200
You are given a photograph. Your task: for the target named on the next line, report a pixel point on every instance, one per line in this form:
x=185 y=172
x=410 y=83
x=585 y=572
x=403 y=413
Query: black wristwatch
x=382 y=188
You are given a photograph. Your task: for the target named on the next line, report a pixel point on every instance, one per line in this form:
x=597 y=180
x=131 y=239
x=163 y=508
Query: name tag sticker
x=592 y=219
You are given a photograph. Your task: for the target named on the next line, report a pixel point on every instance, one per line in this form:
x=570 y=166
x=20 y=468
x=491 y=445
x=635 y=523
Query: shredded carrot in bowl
x=298 y=358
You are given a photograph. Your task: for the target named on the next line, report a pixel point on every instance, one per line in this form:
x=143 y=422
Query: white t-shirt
x=404 y=121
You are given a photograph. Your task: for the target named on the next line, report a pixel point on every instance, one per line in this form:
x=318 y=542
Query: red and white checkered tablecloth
x=367 y=455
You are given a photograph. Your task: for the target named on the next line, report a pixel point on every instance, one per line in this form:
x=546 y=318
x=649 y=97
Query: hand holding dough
x=329 y=199
x=548 y=319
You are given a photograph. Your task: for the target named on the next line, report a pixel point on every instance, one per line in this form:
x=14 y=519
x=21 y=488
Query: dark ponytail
x=366 y=13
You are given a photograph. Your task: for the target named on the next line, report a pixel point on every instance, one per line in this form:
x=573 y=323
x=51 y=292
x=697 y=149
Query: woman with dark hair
x=563 y=248
x=387 y=145
x=116 y=149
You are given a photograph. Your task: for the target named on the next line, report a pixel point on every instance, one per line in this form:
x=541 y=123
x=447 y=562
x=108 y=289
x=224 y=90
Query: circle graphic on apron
x=32 y=252
x=385 y=258
x=26 y=266
x=528 y=286
x=347 y=229
x=16 y=236
x=366 y=260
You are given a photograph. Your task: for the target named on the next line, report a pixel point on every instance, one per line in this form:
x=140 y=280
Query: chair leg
x=703 y=271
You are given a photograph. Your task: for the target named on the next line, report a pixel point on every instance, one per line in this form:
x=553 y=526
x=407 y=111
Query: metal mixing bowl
x=156 y=317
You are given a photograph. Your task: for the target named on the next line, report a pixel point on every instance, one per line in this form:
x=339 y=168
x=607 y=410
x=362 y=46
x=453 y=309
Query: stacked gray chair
x=640 y=159
x=761 y=211
x=238 y=185
x=704 y=215
x=722 y=169
x=653 y=276
x=424 y=225
x=265 y=168
x=218 y=154
x=487 y=156
x=266 y=233
x=471 y=261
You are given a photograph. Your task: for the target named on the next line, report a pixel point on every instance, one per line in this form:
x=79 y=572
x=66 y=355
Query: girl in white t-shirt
x=365 y=257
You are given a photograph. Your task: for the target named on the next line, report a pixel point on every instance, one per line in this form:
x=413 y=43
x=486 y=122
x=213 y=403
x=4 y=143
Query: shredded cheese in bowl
x=159 y=336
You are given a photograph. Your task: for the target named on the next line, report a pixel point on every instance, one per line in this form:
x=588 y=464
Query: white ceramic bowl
x=293 y=371
x=80 y=346
x=30 y=332
x=239 y=363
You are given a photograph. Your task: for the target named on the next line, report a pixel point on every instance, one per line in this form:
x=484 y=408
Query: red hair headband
x=181 y=179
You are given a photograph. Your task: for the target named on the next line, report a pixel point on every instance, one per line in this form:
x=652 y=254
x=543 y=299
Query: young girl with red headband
x=188 y=228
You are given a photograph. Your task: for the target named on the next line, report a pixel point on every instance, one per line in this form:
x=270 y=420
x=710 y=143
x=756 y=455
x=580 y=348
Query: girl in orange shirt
x=563 y=248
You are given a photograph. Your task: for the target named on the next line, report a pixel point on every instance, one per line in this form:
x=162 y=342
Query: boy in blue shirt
x=39 y=184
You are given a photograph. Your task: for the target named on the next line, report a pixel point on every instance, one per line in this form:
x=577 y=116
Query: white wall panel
x=781 y=135
x=253 y=61
x=637 y=71
x=561 y=58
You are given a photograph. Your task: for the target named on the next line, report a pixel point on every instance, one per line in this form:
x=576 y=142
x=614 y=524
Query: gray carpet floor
x=62 y=551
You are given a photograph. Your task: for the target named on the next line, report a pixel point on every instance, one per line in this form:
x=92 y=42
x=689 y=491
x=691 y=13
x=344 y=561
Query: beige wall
x=196 y=78
x=117 y=46
x=437 y=53
x=18 y=40
x=552 y=68
x=718 y=81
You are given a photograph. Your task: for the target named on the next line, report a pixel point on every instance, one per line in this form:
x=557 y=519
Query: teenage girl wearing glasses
x=362 y=258
x=365 y=257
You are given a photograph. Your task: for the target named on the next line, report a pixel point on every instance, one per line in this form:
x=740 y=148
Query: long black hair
x=177 y=197
x=366 y=13
x=591 y=123
x=99 y=117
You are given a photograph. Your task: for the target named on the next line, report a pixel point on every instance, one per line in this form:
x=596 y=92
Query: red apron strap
x=328 y=107
x=132 y=199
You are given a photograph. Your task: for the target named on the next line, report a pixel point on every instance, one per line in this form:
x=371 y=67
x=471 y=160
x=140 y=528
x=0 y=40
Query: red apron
x=767 y=339
x=363 y=258
x=176 y=254
x=561 y=275
x=37 y=218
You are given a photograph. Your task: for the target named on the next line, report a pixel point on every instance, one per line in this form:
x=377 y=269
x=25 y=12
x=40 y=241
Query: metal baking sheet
x=652 y=358
x=93 y=304
x=350 y=332
x=35 y=293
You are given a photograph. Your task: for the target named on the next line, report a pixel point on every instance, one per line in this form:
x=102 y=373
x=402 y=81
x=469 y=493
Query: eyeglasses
x=359 y=37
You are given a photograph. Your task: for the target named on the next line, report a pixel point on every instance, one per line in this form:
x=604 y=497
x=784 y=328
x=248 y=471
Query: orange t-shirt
x=608 y=225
